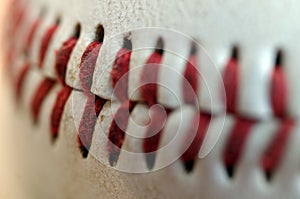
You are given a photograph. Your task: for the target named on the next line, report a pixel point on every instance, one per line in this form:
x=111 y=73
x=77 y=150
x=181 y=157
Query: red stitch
x=19 y=17
x=20 y=80
x=190 y=83
x=198 y=128
x=119 y=74
x=236 y=142
x=9 y=58
x=39 y=97
x=275 y=151
x=148 y=90
x=13 y=6
x=149 y=78
x=45 y=43
x=58 y=109
x=116 y=132
x=87 y=124
x=279 y=92
x=87 y=66
x=153 y=134
x=231 y=80
x=31 y=34
x=62 y=58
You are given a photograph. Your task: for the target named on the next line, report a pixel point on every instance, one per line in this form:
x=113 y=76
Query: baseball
x=150 y=99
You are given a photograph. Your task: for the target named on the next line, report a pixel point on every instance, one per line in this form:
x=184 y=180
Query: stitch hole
x=189 y=166
x=194 y=49
x=230 y=170
x=235 y=53
x=269 y=176
x=58 y=20
x=159 y=48
x=127 y=44
x=99 y=34
x=77 y=31
x=279 y=59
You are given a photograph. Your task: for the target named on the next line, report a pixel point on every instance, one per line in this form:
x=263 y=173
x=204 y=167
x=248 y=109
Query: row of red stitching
x=235 y=142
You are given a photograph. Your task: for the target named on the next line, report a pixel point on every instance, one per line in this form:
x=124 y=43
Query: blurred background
x=9 y=178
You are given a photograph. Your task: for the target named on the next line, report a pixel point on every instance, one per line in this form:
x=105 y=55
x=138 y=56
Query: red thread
x=87 y=66
x=31 y=34
x=117 y=131
x=45 y=43
x=87 y=124
x=9 y=58
x=62 y=58
x=274 y=152
x=198 y=128
x=279 y=92
x=58 y=109
x=13 y=7
x=153 y=134
x=231 y=81
x=19 y=17
x=236 y=142
x=190 y=83
x=119 y=74
x=149 y=78
x=20 y=80
x=40 y=94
